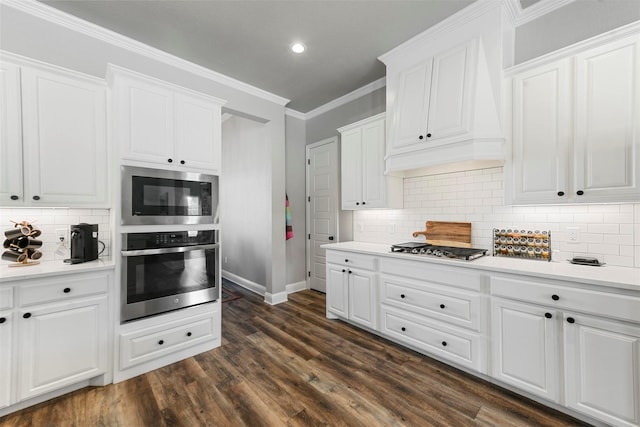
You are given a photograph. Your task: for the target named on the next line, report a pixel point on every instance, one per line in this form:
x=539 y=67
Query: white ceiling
x=249 y=40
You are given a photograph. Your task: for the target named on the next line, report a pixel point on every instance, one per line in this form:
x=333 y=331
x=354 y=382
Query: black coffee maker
x=84 y=243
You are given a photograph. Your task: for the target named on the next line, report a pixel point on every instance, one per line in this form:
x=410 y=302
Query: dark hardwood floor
x=287 y=365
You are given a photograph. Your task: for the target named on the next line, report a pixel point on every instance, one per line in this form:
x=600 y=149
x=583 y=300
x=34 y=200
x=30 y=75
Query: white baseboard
x=296 y=287
x=254 y=287
x=274 y=299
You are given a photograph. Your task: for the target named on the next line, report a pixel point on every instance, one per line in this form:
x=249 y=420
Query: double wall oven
x=168 y=270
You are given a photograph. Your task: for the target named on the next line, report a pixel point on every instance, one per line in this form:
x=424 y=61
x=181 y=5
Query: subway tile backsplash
x=48 y=220
x=610 y=232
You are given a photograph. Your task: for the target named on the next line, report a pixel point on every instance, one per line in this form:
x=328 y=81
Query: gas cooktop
x=417 y=248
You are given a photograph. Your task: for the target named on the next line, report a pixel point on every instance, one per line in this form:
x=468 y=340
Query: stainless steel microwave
x=154 y=196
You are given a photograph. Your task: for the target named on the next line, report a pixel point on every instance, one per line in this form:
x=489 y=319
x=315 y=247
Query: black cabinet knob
x=579 y=192
x=330 y=237
x=182 y=162
x=170 y=160
x=14 y=197
x=161 y=342
x=428 y=135
x=548 y=315
x=349 y=271
x=346 y=260
x=36 y=197
x=3 y=319
x=401 y=295
x=560 y=193
x=344 y=271
x=555 y=297
x=571 y=320
x=444 y=343
x=403 y=329
x=364 y=203
x=189 y=334
x=442 y=306
x=357 y=203
x=66 y=290
x=26 y=315
x=420 y=137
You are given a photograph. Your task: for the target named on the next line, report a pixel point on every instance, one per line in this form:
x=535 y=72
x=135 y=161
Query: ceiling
x=249 y=40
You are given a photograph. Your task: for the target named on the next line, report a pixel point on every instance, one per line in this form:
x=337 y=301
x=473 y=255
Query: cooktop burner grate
x=428 y=249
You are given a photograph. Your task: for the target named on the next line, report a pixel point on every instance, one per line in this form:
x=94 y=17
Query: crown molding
x=73 y=23
x=351 y=96
x=520 y=16
x=295 y=114
x=628 y=30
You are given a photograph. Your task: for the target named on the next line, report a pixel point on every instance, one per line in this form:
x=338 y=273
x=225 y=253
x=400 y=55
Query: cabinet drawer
x=67 y=287
x=351 y=259
x=449 y=305
x=147 y=344
x=6 y=298
x=625 y=307
x=421 y=270
x=449 y=343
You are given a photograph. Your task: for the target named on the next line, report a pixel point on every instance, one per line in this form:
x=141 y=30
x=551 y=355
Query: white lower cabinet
x=564 y=337
x=54 y=333
x=525 y=347
x=602 y=368
x=351 y=293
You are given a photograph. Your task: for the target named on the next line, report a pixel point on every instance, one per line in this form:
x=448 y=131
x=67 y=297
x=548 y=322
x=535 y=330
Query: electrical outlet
x=225 y=260
x=392 y=228
x=62 y=235
x=572 y=233
x=361 y=227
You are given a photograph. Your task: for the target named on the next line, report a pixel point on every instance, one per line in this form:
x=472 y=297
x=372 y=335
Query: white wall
x=244 y=200
x=610 y=232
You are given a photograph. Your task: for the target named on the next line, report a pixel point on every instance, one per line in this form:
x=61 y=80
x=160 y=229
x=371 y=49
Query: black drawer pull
x=170 y=160
x=3 y=319
x=66 y=290
x=26 y=315
x=349 y=271
x=402 y=295
x=403 y=329
x=346 y=260
x=14 y=197
x=571 y=320
x=444 y=343
x=182 y=162
x=161 y=342
x=189 y=334
x=344 y=271
x=442 y=306
x=555 y=297
x=548 y=315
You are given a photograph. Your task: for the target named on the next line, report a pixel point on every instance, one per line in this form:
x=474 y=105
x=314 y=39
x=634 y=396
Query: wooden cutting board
x=447 y=233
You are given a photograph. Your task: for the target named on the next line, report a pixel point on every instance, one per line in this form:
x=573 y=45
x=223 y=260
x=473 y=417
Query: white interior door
x=322 y=201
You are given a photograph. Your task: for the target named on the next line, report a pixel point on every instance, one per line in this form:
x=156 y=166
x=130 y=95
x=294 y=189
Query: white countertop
x=51 y=268
x=610 y=276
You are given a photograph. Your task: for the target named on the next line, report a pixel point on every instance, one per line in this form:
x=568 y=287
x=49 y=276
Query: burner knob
x=414 y=251
x=437 y=252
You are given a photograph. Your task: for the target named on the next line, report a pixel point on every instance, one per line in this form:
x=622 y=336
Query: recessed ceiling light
x=298 y=47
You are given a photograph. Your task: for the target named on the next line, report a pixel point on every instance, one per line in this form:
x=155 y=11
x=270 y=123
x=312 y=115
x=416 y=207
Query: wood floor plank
x=287 y=365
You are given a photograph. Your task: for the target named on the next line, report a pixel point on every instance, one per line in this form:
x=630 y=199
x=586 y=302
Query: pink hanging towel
x=288 y=218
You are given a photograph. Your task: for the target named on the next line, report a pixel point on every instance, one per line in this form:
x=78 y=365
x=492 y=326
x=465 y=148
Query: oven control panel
x=168 y=239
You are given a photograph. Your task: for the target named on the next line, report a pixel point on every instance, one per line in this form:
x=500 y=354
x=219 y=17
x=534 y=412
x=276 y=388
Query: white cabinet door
x=337 y=290
x=524 y=347
x=450 y=100
x=542 y=133
x=411 y=108
x=351 y=168
x=10 y=135
x=145 y=120
x=6 y=346
x=607 y=123
x=62 y=344
x=198 y=133
x=602 y=369
x=373 y=178
x=362 y=297
x=64 y=139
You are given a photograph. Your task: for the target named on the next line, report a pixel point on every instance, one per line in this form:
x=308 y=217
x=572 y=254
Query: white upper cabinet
x=364 y=184
x=576 y=128
x=162 y=124
x=54 y=148
x=442 y=111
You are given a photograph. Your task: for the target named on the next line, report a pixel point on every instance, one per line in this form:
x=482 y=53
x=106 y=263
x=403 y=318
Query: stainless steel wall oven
x=154 y=196
x=165 y=271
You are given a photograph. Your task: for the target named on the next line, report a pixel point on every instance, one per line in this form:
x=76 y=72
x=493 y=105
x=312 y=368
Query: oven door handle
x=162 y=251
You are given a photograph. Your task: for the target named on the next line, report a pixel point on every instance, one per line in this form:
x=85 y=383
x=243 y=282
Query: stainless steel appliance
x=84 y=243
x=418 y=248
x=154 y=196
x=165 y=271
